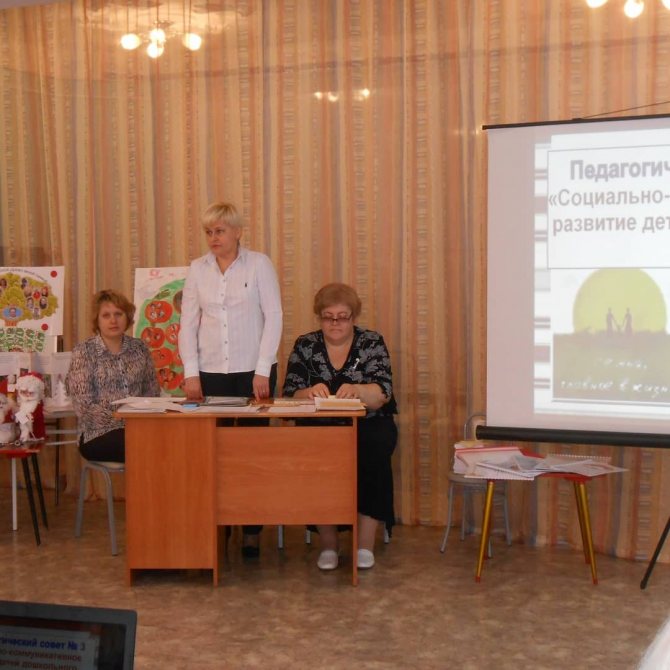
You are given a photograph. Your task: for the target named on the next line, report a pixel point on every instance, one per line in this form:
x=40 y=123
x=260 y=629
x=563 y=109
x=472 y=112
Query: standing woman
x=231 y=322
x=106 y=367
x=346 y=361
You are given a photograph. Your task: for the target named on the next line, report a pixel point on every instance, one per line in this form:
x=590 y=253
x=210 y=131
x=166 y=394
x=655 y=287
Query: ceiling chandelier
x=158 y=33
x=632 y=8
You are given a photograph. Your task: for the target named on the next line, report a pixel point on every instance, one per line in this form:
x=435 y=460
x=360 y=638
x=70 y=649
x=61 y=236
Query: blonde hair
x=118 y=300
x=221 y=211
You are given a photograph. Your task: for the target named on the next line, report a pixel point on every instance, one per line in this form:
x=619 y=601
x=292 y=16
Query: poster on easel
x=157 y=297
x=31 y=308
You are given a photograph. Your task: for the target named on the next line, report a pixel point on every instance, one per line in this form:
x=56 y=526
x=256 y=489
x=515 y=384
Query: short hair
x=118 y=300
x=221 y=211
x=335 y=294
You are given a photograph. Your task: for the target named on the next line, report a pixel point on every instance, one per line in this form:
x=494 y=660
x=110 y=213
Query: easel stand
x=657 y=551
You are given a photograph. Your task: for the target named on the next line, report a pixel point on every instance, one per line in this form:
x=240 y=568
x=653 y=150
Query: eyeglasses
x=327 y=318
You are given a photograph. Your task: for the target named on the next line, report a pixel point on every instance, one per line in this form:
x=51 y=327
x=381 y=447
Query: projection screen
x=579 y=281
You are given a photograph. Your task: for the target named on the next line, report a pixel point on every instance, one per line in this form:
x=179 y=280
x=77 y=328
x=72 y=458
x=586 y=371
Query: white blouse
x=230 y=321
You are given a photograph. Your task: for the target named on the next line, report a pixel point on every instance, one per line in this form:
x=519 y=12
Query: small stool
x=104 y=468
x=24 y=453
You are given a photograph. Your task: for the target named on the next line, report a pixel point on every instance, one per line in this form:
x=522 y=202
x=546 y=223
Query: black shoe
x=250 y=543
x=249 y=551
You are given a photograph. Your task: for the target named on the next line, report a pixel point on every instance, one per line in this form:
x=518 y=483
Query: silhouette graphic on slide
x=627 y=325
x=611 y=322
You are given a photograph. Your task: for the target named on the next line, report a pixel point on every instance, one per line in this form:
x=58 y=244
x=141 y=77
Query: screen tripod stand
x=657 y=551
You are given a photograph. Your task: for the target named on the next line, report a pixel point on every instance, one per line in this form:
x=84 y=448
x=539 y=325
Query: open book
x=331 y=403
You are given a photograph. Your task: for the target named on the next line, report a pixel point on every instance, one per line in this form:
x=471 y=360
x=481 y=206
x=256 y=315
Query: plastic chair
x=105 y=469
x=469 y=486
x=58 y=437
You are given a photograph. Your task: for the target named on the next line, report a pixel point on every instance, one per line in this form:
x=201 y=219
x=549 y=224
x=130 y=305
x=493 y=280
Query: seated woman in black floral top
x=346 y=361
x=106 y=367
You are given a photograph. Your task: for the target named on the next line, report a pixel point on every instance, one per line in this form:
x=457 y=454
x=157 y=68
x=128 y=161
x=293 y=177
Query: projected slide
x=604 y=254
x=579 y=276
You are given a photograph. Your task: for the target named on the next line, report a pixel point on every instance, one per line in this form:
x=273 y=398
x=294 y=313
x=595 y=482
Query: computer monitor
x=74 y=636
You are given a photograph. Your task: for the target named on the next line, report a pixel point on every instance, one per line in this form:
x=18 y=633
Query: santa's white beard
x=28 y=406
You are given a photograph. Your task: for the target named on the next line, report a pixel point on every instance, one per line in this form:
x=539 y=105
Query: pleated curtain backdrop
x=349 y=134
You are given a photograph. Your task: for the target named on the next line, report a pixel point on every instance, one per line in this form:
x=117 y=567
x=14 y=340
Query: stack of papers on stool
x=481 y=461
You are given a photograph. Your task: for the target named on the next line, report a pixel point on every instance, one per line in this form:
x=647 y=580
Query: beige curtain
x=349 y=133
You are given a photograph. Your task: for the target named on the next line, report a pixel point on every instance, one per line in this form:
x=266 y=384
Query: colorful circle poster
x=158 y=293
x=31 y=308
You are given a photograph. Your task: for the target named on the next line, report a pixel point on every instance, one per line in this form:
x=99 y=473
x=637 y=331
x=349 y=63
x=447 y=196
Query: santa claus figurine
x=7 y=405
x=30 y=414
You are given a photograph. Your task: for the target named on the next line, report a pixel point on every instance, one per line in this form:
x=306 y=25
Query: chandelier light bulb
x=595 y=3
x=157 y=35
x=130 y=41
x=155 y=50
x=192 y=41
x=633 y=8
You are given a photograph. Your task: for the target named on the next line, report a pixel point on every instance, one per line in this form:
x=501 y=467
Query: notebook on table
x=73 y=636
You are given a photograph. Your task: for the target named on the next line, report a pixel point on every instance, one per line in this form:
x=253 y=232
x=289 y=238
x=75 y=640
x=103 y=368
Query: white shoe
x=327 y=560
x=366 y=559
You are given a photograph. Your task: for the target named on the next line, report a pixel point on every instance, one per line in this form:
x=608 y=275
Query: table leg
x=580 y=516
x=57 y=477
x=40 y=492
x=486 y=528
x=587 y=529
x=15 y=521
x=354 y=553
x=31 y=499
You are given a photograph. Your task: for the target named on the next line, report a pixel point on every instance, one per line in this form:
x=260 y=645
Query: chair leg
x=308 y=536
x=38 y=485
x=80 y=503
x=387 y=538
x=110 y=511
x=508 y=533
x=31 y=499
x=280 y=537
x=467 y=504
x=450 y=502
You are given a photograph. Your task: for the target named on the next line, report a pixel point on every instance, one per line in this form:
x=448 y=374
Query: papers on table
x=225 y=400
x=216 y=405
x=479 y=461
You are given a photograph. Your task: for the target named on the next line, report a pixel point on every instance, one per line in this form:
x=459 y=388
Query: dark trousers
x=108 y=447
x=237 y=384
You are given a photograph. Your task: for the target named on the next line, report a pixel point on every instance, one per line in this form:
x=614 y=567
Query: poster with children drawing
x=31 y=307
x=158 y=293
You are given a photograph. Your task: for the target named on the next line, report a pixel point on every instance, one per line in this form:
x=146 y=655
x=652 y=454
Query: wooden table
x=188 y=473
